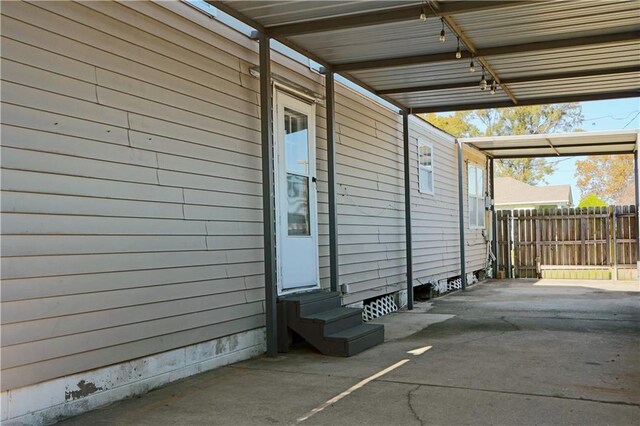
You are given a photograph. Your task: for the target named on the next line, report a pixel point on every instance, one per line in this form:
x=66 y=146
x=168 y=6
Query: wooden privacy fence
x=602 y=240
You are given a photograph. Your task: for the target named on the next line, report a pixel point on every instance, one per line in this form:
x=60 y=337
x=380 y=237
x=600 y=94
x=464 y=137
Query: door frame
x=282 y=99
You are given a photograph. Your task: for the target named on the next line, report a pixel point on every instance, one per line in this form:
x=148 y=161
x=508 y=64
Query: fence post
x=509 y=220
x=538 y=254
x=614 y=233
x=583 y=231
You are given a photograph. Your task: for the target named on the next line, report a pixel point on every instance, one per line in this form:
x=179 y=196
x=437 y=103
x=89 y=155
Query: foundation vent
x=378 y=307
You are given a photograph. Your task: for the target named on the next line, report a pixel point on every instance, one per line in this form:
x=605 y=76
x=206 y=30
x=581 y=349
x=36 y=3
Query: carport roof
x=538 y=51
x=556 y=144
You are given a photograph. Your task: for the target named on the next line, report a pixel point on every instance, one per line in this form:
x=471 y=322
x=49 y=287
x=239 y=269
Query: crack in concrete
x=410 y=404
x=515 y=327
x=570 y=398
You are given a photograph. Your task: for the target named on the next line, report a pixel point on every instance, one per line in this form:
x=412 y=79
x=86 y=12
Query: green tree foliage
x=460 y=124
x=592 y=200
x=607 y=176
x=527 y=120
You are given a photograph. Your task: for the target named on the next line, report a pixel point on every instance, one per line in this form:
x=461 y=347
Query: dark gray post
x=407 y=208
x=635 y=182
x=494 y=218
x=463 y=269
x=268 y=202
x=334 y=271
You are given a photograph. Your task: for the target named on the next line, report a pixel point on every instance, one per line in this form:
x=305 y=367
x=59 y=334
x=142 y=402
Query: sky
x=615 y=114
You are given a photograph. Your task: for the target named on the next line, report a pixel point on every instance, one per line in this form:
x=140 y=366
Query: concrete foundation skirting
x=53 y=400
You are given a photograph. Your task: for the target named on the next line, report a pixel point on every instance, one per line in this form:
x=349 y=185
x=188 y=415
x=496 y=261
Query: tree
x=527 y=120
x=459 y=124
x=607 y=176
x=592 y=200
x=528 y=170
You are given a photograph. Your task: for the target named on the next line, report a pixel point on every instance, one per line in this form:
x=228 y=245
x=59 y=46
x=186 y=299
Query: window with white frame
x=475 y=176
x=425 y=167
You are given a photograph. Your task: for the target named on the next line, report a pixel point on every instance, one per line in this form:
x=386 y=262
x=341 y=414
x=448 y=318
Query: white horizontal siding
x=131 y=190
x=436 y=247
x=131 y=178
x=476 y=246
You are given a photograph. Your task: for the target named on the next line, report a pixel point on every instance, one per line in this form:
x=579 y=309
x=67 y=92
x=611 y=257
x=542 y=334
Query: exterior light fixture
x=483 y=81
x=458 y=51
x=472 y=65
x=494 y=87
x=442 y=35
x=423 y=15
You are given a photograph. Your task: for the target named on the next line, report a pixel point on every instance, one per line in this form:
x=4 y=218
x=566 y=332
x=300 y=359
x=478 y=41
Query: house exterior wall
x=436 y=246
x=476 y=245
x=132 y=193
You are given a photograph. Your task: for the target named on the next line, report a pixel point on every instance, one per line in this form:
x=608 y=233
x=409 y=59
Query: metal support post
x=463 y=269
x=334 y=271
x=407 y=208
x=635 y=181
x=268 y=202
x=494 y=219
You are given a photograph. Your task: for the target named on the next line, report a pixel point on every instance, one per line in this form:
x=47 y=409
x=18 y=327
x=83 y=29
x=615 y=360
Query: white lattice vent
x=378 y=307
x=455 y=284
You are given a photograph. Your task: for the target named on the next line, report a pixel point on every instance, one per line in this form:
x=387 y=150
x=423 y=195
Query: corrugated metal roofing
x=556 y=144
x=542 y=51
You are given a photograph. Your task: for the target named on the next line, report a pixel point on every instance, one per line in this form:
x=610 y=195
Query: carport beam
x=331 y=170
x=407 y=208
x=463 y=272
x=268 y=202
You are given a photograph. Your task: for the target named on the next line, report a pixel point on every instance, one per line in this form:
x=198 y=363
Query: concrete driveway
x=503 y=352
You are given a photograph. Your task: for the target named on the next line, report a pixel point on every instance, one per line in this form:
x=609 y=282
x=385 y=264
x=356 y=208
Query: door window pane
x=298 y=204
x=296 y=142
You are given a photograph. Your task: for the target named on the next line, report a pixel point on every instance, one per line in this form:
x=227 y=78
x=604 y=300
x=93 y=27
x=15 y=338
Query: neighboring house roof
x=511 y=191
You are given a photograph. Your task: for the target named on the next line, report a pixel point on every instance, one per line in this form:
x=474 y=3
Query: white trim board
x=53 y=400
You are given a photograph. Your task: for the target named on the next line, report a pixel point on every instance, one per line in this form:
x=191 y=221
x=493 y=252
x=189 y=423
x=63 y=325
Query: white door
x=296 y=208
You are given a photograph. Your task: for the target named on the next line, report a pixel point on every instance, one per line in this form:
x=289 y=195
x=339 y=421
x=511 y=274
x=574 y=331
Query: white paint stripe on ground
x=351 y=390
x=419 y=351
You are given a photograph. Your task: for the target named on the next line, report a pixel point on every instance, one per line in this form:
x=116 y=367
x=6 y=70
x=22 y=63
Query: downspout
x=268 y=202
x=463 y=272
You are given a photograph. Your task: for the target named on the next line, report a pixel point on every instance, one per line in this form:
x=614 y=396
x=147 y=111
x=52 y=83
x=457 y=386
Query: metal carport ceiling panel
x=541 y=51
x=556 y=144
x=270 y=13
